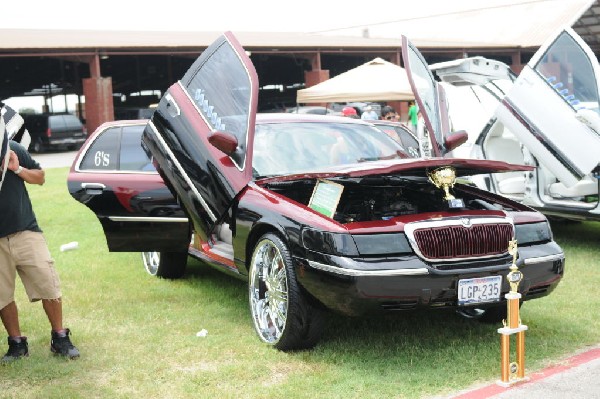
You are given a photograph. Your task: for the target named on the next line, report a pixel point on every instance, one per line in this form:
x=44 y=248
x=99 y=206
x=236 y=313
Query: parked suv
x=54 y=131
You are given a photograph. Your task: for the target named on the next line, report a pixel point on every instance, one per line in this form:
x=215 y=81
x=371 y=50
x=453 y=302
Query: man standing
x=369 y=114
x=23 y=250
x=413 y=116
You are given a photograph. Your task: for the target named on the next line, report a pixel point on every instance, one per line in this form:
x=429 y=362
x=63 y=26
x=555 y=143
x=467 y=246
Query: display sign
x=325 y=197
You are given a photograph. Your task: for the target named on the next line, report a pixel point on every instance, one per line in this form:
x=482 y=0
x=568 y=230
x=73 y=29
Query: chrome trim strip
x=147 y=219
x=547 y=258
x=410 y=228
x=360 y=273
x=182 y=171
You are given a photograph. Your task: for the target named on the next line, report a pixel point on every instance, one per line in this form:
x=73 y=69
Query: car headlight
x=382 y=244
x=329 y=243
x=532 y=233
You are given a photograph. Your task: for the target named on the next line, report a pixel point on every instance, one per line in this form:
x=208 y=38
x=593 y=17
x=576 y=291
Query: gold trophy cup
x=443 y=178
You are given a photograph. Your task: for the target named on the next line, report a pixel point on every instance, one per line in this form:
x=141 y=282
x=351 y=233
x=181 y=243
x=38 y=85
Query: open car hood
x=405 y=167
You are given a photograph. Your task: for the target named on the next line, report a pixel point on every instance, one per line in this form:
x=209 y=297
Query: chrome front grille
x=460 y=238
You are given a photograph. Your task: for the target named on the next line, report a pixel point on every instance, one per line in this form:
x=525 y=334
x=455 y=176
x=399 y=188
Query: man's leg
x=17 y=345
x=10 y=318
x=53 y=309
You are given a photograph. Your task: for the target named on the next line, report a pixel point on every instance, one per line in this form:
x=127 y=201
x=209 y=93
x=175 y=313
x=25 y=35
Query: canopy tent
x=376 y=80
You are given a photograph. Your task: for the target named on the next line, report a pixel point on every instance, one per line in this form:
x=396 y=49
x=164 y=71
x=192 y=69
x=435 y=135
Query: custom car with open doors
x=547 y=117
x=316 y=213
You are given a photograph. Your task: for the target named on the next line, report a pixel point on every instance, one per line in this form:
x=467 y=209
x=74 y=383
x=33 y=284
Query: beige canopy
x=376 y=80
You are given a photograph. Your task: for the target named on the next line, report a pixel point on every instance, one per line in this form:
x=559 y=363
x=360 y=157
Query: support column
x=316 y=75
x=98 y=97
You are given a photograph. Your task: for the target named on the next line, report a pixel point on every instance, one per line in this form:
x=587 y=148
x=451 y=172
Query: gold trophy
x=512 y=372
x=444 y=178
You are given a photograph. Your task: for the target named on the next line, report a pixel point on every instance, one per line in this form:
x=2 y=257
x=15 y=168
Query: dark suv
x=54 y=131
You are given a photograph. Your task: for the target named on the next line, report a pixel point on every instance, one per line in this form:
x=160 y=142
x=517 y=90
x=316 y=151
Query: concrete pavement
x=55 y=159
x=576 y=377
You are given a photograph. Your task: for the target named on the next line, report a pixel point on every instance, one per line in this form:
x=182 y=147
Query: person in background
x=413 y=116
x=349 y=112
x=388 y=113
x=369 y=114
x=23 y=250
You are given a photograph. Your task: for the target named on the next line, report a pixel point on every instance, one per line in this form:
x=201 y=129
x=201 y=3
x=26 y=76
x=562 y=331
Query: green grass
x=137 y=334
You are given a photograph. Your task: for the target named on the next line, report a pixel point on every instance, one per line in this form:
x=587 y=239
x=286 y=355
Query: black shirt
x=16 y=211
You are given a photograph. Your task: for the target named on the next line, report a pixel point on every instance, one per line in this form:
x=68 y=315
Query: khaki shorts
x=27 y=253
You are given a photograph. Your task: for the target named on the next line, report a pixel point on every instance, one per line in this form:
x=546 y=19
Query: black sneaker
x=61 y=345
x=16 y=350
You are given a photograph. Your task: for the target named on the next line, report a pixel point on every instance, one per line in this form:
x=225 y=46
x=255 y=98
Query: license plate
x=479 y=290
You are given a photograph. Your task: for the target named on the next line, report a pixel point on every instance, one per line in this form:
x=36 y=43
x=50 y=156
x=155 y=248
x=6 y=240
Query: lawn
x=137 y=333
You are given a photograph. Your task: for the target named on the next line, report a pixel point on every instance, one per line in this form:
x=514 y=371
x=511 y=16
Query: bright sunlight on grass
x=137 y=333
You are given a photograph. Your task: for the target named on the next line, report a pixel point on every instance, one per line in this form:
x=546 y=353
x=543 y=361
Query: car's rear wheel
x=37 y=146
x=165 y=264
x=283 y=317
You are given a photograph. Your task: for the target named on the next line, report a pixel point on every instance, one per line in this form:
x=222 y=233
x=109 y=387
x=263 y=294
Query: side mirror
x=224 y=141
x=455 y=139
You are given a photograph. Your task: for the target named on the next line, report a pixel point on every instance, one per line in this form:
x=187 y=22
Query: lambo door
x=553 y=107
x=202 y=131
x=114 y=177
x=435 y=138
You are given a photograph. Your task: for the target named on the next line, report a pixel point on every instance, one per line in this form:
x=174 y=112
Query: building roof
x=475 y=23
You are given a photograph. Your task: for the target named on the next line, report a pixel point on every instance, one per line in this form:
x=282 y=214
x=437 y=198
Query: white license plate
x=479 y=290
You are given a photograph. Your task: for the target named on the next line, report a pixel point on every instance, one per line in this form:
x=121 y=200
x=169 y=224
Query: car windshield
x=295 y=147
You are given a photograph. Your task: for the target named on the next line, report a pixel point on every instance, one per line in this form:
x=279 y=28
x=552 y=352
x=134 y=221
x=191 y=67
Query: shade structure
x=376 y=80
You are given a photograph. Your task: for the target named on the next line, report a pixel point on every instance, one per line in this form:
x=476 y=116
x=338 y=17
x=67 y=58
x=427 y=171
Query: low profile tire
x=494 y=314
x=281 y=314
x=165 y=264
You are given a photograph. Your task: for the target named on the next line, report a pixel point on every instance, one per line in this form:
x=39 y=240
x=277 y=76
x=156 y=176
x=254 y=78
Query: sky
x=237 y=15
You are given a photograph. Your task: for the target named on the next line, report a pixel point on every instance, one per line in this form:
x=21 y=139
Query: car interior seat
x=501 y=145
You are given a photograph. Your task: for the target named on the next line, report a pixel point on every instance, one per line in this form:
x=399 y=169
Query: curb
x=493 y=389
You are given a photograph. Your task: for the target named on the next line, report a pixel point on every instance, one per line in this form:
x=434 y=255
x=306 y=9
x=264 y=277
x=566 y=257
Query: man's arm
x=31 y=176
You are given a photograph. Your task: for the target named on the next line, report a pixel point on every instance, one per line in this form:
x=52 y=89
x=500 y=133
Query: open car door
x=431 y=99
x=553 y=107
x=202 y=131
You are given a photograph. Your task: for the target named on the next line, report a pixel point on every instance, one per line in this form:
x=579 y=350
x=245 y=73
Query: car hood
x=406 y=167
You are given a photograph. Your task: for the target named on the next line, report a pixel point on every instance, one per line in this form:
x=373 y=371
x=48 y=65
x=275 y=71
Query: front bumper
x=357 y=286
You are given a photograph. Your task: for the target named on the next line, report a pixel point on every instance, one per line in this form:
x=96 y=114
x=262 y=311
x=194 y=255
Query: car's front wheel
x=282 y=315
x=165 y=264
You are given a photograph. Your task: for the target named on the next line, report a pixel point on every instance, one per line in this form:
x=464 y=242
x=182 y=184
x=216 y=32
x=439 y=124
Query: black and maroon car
x=315 y=212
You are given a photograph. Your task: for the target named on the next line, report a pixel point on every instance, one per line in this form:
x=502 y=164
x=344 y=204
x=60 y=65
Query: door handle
x=93 y=188
x=172 y=106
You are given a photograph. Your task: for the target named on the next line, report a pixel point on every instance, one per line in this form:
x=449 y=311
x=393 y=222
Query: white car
x=547 y=117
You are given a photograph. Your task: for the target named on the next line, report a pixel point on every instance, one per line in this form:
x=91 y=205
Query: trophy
x=444 y=178
x=512 y=372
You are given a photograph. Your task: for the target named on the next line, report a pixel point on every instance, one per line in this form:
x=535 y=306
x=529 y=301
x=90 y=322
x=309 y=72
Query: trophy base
x=511 y=382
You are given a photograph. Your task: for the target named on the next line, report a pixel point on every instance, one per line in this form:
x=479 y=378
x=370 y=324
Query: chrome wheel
x=151 y=262
x=268 y=290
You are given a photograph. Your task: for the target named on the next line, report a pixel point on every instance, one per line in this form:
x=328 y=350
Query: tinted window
x=103 y=154
x=35 y=123
x=566 y=67
x=221 y=89
x=72 y=122
x=133 y=157
x=57 y=122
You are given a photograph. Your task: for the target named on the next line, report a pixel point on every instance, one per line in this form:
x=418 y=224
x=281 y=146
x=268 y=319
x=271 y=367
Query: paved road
x=55 y=159
x=576 y=377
